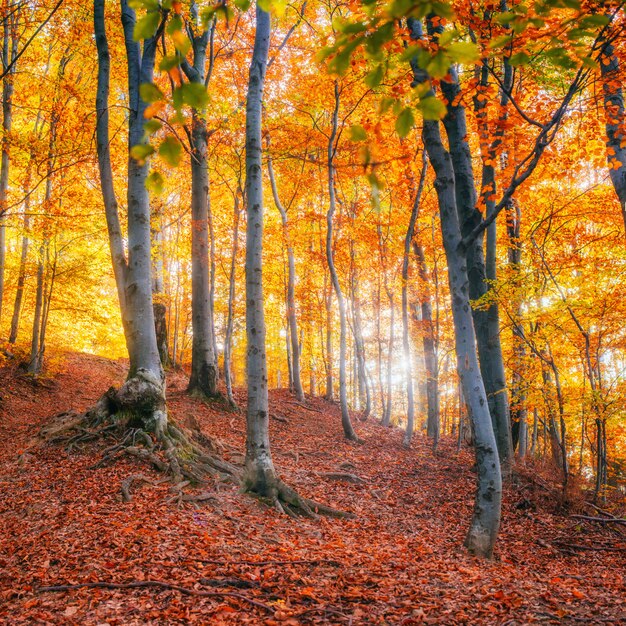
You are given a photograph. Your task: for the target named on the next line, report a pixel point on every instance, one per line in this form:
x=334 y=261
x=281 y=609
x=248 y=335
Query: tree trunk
x=346 y=423
x=386 y=421
x=158 y=287
x=9 y=56
x=34 y=366
x=364 y=391
x=485 y=522
x=204 y=374
x=143 y=394
x=292 y=322
x=486 y=320
x=228 y=339
x=615 y=117
x=21 y=277
x=519 y=408
x=408 y=364
x=260 y=475
x=329 y=357
x=430 y=351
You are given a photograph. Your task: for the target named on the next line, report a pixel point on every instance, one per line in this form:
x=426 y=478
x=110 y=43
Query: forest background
x=356 y=308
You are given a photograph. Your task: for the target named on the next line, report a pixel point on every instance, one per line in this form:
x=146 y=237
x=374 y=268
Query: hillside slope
x=399 y=561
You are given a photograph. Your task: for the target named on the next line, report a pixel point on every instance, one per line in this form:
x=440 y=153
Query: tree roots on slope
x=134 y=419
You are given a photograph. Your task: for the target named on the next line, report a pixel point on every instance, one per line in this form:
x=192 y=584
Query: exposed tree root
x=345 y=476
x=134 y=419
x=289 y=502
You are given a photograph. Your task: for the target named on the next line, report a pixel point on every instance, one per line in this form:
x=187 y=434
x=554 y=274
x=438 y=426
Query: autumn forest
x=312 y=311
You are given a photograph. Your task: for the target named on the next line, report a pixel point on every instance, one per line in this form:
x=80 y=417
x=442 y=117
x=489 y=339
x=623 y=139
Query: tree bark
x=143 y=393
x=9 y=53
x=485 y=522
x=228 y=339
x=204 y=372
x=346 y=423
x=260 y=475
x=292 y=322
x=21 y=277
x=406 y=344
x=615 y=117
x=486 y=320
x=364 y=391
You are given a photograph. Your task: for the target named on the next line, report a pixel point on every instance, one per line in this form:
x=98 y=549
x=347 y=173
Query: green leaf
x=175 y=24
x=149 y=92
x=375 y=77
x=168 y=62
x=560 y=58
x=170 y=150
x=385 y=105
x=594 y=20
x=243 y=5
x=275 y=7
x=155 y=183
x=504 y=18
x=439 y=65
x=520 y=58
x=147 y=26
x=341 y=61
x=177 y=98
x=464 y=52
x=195 y=95
x=151 y=126
x=432 y=108
x=443 y=9
x=377 y=39
x=150 y=5
x=405 y=122
x=579 y=33
x=141 y=152
x=500 y=42
x=358 y=133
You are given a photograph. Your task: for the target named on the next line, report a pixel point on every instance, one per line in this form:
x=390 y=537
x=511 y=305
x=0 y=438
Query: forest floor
x=232 y=560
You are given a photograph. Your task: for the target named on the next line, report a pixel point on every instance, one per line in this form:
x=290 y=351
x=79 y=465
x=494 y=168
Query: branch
x=142 y=584
x=8 y=68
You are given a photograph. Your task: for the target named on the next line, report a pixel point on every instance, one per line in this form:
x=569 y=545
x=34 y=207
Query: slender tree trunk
x=212 y=277
x=519 y=408
x=364 y=391
x=292 y=322
x=34 y=367
x=329 y=357
x=228 y=339
x=21 y=277
x=260 y=475
x=158 y=286
x=348 y=430
x=204 y=374
x=485 y=522
x=430 y=347
x=386 y=421
x=9 y=54
x=485 y=319
x=615 y=117
x=37 y=359
x=143 y=393
x=408 y=363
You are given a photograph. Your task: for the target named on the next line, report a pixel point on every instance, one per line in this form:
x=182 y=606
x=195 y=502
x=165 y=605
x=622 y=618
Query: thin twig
x=267 y=563
x=139 y=584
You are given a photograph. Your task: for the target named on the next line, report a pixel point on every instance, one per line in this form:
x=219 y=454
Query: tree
x=292 y=321
x=204 y=372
